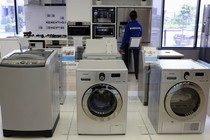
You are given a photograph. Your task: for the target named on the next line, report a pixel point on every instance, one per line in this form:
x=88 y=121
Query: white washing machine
x=208 y=65
x=29 y=94
x=102 y=92
x=178 y=96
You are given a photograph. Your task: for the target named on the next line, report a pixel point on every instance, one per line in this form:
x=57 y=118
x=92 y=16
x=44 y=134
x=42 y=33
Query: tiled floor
x=138 y=124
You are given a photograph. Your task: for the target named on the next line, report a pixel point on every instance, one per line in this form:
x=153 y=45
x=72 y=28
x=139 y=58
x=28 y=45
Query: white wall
x=46 y=19
x=78 y=10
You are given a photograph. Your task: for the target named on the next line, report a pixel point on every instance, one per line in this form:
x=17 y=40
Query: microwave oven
x=103 y=14
x=100 y=31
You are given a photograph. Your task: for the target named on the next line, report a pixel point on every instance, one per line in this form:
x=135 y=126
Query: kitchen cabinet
x=78 y=10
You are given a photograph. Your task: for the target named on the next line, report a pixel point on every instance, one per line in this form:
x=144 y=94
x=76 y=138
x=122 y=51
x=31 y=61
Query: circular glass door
x=102 y=102
x=184 y=100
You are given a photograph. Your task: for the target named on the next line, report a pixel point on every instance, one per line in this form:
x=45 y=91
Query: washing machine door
x=184 y=100
x=102 y=102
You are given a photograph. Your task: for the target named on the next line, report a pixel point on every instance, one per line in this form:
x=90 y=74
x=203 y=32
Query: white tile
x=132 y=99
x=134 y=121
x=108 y=137
x=70 y=102
x=73 y=128
x=180 y=137
x=64 y=123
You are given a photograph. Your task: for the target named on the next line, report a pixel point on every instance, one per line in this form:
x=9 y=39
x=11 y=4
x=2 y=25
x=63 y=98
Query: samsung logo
x=134 y=28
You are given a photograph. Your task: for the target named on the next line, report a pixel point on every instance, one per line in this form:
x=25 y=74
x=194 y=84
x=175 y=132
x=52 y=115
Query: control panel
x=23 y=63
x=105 y=77
x=195 y=75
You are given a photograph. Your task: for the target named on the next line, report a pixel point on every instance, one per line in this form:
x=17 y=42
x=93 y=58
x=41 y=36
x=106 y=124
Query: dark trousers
x=127 y=57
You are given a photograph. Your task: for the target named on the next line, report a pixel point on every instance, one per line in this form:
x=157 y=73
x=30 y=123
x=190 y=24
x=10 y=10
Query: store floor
x=138 y=124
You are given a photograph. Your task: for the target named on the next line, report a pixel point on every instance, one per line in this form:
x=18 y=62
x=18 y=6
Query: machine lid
x=184 y=100
x=102 y=102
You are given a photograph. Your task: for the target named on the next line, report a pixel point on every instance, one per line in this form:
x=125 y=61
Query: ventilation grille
x=191 y=127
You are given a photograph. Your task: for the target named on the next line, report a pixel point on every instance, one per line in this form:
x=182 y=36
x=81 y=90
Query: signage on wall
x=55 y=22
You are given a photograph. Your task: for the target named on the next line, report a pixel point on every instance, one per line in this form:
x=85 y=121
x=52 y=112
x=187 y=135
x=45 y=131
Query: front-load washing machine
x=178 y=96
x=102 y=88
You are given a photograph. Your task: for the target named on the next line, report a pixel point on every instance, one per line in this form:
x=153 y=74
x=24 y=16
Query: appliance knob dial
x=22 y=62
x=102 y=76
x=186 y=75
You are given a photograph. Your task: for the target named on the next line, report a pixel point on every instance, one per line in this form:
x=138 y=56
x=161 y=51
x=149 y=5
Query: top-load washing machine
x=29 y=94
x=101 y=87
x=178 y=96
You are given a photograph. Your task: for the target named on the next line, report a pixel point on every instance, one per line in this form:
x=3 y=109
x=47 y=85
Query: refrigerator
x=144 y=17
x=205 y=35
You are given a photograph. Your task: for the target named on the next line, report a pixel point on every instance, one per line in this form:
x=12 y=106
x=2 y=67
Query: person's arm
x=125 y=37
x=141 y=30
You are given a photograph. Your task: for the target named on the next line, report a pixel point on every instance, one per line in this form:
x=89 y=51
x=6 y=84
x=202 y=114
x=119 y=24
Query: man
x=132 y=29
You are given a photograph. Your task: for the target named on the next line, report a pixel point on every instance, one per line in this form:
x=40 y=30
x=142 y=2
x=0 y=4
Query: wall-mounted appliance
x=103 y=30
x=78 y=28
x=103 y=22
x=103 y=14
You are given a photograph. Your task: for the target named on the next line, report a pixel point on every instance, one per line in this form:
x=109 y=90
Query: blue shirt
x=132 y=29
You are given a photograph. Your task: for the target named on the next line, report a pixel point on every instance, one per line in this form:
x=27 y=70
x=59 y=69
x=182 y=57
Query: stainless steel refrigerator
x=205 y=35
x=144 y=17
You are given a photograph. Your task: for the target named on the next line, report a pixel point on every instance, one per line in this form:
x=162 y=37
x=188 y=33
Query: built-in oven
x=103 y=14
x=101 y=30
x=78 y=28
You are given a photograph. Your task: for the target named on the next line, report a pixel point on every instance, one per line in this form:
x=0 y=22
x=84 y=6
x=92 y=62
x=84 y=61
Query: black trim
x=16 y=17
x=45 y=133
x=161 y=36
x=197 y=23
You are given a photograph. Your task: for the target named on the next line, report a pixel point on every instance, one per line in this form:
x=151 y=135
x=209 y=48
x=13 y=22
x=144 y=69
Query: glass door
x=102 y=102
x=184 y=100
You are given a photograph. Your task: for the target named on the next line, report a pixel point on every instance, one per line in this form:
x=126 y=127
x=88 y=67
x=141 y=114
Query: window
x=10 y=20
x=179 y=23
x=20 y=16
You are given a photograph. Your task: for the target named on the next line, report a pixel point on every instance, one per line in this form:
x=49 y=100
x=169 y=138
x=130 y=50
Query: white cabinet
x=78 y=10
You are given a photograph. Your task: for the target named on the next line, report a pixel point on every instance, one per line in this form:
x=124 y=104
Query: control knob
x=22 y=62
x=102 y=76
x=186 y=75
